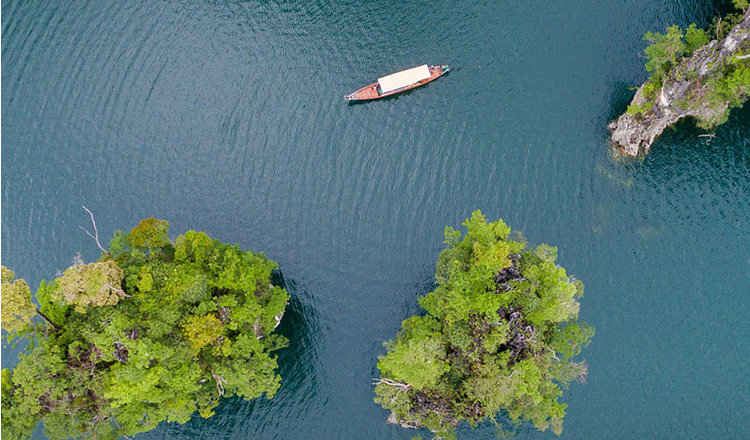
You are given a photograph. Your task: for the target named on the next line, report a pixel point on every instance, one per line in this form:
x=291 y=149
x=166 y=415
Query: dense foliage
x=499 y=334
x=152 y=332
x=732 y=87
x=666 y=49
x=730 y=84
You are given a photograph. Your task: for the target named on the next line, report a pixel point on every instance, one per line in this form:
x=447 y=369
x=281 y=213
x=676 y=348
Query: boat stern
x=364 y=94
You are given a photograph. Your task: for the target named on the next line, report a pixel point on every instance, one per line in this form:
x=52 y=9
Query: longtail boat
x=398 y=82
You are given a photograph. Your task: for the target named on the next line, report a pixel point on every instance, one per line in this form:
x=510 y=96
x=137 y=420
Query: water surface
x=228 y=117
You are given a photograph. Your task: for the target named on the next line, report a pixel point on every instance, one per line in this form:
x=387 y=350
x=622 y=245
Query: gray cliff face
x=681 y=93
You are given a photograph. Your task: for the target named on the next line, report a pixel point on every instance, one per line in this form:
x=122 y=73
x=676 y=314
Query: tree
x=500 y=333
x=667 y=49
x=664 y=50
x=93 y=284
x=150 y=233
x=742 y=5
x=695 y=38
x=17 y=309
x=154 y=331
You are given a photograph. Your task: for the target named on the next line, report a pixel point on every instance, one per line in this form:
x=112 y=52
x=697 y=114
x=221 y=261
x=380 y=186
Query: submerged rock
x=685 y=92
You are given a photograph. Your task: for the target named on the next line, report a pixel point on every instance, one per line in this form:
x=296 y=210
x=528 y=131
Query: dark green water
x=228 y=117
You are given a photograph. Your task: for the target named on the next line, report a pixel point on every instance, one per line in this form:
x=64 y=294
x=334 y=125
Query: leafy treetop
x=17 y=309
x=152 y=332
x=93 y=284
x=667 y=49
x=499 y=334
x=150 y=232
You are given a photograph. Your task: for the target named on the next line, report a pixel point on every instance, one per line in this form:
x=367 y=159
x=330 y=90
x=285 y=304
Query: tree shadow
x=619 y=99
x=684 y=141
x=300 y=326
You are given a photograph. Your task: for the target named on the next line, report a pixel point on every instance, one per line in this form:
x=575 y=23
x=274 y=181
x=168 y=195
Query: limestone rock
x=681 y=93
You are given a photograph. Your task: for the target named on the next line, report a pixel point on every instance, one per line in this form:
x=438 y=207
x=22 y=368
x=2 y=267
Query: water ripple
x=228 y=117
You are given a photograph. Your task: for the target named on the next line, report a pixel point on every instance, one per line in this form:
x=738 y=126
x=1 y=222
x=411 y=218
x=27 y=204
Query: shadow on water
x=299 y=326
x=724 y=145
x=620 y=96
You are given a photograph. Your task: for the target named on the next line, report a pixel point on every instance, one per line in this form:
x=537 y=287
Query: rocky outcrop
x=394 y=420
x=682 y=93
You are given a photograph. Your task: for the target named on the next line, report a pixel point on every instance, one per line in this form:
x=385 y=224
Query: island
x=152 y=332
x=497 y=341
x=690 y=77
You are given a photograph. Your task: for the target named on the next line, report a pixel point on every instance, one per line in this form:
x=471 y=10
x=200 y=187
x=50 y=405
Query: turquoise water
x=228 y=117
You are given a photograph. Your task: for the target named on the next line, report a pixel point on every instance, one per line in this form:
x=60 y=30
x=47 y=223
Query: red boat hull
x=372 y=92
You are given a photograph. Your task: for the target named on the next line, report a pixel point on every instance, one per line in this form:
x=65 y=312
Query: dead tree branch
x=220 y=381
x=95 y=235
x=400 y=386
x=116 y=289
x=709 y=137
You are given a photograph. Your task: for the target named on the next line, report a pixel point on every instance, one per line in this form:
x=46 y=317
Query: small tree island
x=694 y=73
x=153 y=331
x=500 y=331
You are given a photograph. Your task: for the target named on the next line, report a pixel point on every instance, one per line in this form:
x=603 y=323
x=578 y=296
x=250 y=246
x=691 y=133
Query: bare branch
x=95 y=235
x=116 y=289
x=220 y=381
x=709 y=137
x=400 y=386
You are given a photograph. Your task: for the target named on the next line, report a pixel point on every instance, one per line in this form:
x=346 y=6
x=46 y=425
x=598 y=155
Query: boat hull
x=372 y=92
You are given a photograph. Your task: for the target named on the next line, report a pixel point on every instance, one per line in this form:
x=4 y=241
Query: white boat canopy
x=403 y=78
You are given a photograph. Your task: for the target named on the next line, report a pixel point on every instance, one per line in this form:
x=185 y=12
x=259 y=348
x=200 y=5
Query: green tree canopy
x=150 y=232
x=152 y=332
x=695 y=38
x=664 y=50
x=500 y=331
x=93 y=284
x=17 y=308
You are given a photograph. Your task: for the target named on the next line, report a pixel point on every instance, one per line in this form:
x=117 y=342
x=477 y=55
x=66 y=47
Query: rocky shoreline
x=682 y=93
